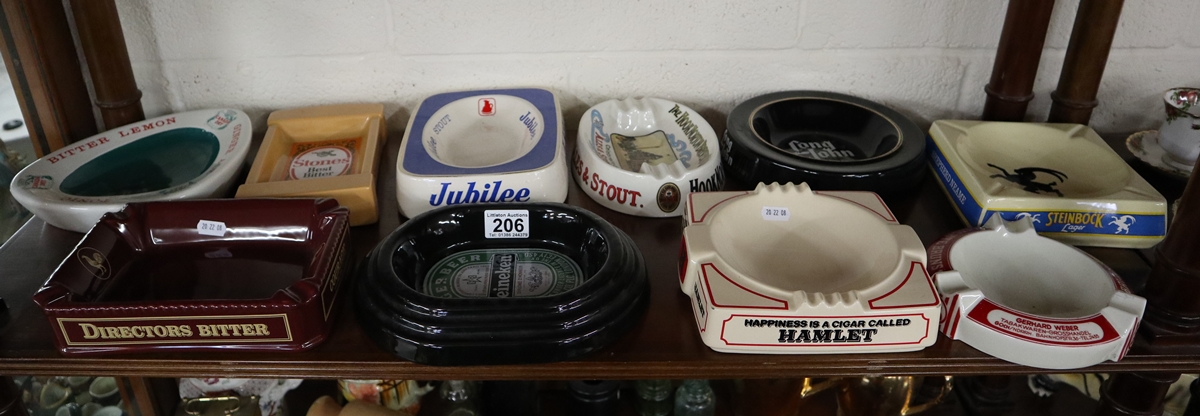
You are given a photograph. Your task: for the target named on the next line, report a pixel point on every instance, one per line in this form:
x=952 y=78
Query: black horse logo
x=1027 y=178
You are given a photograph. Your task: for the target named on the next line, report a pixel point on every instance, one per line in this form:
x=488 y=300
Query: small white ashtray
x=503 y=145
x=188 y=155
x=1031 y=300
x=644 y=156
x=1063 y=177
x=786 y=270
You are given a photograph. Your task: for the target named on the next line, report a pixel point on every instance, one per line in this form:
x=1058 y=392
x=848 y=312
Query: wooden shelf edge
x=564 y=370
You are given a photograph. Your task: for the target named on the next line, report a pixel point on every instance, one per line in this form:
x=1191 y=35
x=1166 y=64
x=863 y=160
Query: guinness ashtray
x=244 y=274
x=1031 y=300
x=783 y=269
x=1063 y=177
x=830 y=141
x=501 y=284
x=484 y=146
x=644 y=156
x=191 y=155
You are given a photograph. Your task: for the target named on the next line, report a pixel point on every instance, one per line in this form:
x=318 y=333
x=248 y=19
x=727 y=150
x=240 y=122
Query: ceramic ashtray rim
x=1117 y=319
x=895 y=126
x=974 y=205
x=650 y=186
x=511 y=330
x=393 y=241
x=325 y=211
x=552 y=134
x=549 y=183
x=352 y=184
x=303 y=310
x=68 y=211
x=909 y=151
x=909 y=250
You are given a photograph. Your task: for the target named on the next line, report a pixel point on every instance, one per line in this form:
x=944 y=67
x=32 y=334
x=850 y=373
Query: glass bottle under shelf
x=654 y=397
x=460 y=398
x=695 y=398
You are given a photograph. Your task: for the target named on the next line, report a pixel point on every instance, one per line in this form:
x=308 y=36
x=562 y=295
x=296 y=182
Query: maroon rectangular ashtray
x=244 y=274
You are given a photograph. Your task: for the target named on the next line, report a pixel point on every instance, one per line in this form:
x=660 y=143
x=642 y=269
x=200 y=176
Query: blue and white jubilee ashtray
x=190 y=155
x=501 y=145
x=645 y=156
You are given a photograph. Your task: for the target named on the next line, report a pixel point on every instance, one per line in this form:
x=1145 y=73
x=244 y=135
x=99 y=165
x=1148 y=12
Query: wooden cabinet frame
x=43 y=62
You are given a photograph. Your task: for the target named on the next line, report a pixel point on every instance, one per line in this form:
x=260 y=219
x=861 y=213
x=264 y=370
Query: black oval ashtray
x=501 y=284
x=831 y=141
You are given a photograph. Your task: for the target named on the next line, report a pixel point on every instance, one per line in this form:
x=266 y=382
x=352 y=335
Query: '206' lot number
x=506 y=223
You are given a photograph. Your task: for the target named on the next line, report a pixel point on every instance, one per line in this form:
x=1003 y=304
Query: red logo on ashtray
x=487 y=106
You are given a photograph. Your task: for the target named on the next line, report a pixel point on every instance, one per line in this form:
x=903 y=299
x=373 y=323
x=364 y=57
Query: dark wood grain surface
x=664 y=345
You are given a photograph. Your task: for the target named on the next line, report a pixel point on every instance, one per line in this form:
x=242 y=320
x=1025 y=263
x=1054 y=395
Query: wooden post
x=1135 y=394
x=1008 y=96
x=1017 y=57
x=1171 y=323
x=39 y=54
x=1087 y=53
x=103 y=45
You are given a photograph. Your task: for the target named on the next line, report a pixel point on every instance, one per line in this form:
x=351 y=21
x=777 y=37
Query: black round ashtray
x=831 y=141
x=501 y=284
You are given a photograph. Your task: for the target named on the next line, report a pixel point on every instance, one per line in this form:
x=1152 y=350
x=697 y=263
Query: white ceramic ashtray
x=644 y=156
x=1072 y=186
x=1031 y=300
x=503 y=145
x=785 y=270
x=179 y=156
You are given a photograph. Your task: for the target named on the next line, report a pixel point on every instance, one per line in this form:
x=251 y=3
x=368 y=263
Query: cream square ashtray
x=328 y=151
x=1031 y=300
x=502 y=145
x=644 y=156
x=1071 y=185
x=786 y=270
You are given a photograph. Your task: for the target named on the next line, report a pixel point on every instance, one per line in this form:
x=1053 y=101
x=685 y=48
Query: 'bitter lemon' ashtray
x=1063 y=177
x=644 y=156
x=188 y=155
x=223 y=274
x=501 y=284
x=1031 y=300
x=328 y=151
x=485 y=146
x=787 y=270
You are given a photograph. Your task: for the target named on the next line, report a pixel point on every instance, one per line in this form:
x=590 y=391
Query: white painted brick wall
x=927 y=58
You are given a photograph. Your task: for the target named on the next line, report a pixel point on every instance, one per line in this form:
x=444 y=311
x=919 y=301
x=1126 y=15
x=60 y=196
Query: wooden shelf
x=664 y=345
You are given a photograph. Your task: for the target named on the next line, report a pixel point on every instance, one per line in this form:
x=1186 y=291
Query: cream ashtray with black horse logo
x=1063 y=177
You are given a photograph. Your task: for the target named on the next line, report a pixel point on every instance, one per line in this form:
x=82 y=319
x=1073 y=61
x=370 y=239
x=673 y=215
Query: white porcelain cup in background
x=109 y=411
x=1180 y=133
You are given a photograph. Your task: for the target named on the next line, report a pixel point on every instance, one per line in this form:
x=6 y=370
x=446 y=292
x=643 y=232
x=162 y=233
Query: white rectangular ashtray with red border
x=786 y=270
x=1031 y=300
